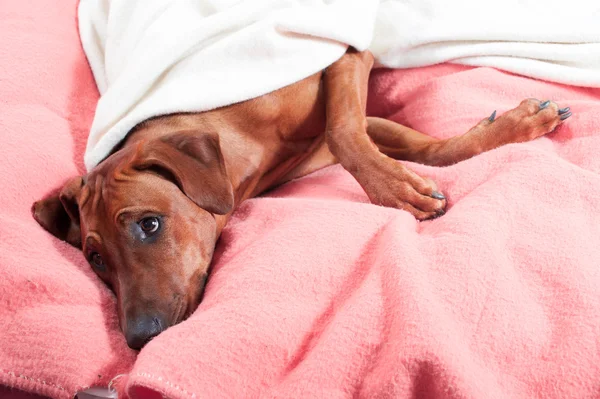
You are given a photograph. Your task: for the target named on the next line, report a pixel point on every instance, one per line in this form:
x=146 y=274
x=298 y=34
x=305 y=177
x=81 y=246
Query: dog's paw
x=391 y=184
x=531 y=119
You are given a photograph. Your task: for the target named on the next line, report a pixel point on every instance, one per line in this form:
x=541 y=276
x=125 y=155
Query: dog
x=148 y=217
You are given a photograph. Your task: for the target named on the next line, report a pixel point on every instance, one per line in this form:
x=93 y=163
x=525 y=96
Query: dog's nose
x=142 y=329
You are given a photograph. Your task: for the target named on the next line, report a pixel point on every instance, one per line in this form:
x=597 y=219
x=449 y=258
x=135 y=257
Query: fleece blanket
x=152 y=57
x=315 y=292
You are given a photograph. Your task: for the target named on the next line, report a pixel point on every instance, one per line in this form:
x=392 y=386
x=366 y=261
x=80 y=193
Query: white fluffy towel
x=154 y=57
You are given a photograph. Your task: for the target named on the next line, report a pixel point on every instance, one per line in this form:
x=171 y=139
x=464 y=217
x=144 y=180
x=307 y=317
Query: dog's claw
x=544 y=105
x=440 y=212
x=563 y=110
x=437 y=195
x=492 y=116
x=565 y=116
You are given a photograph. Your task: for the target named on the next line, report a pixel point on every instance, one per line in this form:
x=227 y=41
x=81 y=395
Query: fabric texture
x=59 y=332
x=154 y=57
x=315 y=292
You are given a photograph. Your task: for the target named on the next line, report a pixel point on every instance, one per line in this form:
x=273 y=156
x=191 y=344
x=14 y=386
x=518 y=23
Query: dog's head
x=145 y=221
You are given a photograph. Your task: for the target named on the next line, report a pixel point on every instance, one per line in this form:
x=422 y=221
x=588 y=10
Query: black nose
x=142 y=329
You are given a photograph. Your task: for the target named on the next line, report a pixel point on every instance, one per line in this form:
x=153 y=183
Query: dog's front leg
x=385 y=181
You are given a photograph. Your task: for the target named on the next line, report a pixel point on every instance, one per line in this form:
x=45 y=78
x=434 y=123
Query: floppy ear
x=194 y=162
x=59 y=213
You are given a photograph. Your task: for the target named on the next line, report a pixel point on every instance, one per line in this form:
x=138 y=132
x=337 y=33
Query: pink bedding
x=315 y=292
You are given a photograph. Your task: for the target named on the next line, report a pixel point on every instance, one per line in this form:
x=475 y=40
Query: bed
x=315 y=292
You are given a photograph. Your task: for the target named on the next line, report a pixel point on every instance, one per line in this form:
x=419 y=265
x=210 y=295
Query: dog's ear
x=59 y=213
x=194 y=162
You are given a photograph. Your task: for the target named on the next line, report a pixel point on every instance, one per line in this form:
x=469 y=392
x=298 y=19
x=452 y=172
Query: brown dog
x=148 y=217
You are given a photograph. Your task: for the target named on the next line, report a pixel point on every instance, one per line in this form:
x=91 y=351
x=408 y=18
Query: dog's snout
x=142 y=329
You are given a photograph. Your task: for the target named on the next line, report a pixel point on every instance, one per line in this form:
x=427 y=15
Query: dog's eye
x=149 y=225
x=96 y=261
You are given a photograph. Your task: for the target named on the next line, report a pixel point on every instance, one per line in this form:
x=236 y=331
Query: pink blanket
x=315 y=292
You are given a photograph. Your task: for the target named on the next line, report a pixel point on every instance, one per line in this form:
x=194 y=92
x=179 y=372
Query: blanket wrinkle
x=352 y=282
x=481 y=314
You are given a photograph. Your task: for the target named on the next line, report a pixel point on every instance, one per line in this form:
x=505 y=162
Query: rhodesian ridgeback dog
x=148 y=217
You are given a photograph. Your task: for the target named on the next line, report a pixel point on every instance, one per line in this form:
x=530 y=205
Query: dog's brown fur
x=192 y=170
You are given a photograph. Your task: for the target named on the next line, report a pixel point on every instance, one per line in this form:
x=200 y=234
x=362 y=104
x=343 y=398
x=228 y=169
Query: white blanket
x=154 y=57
